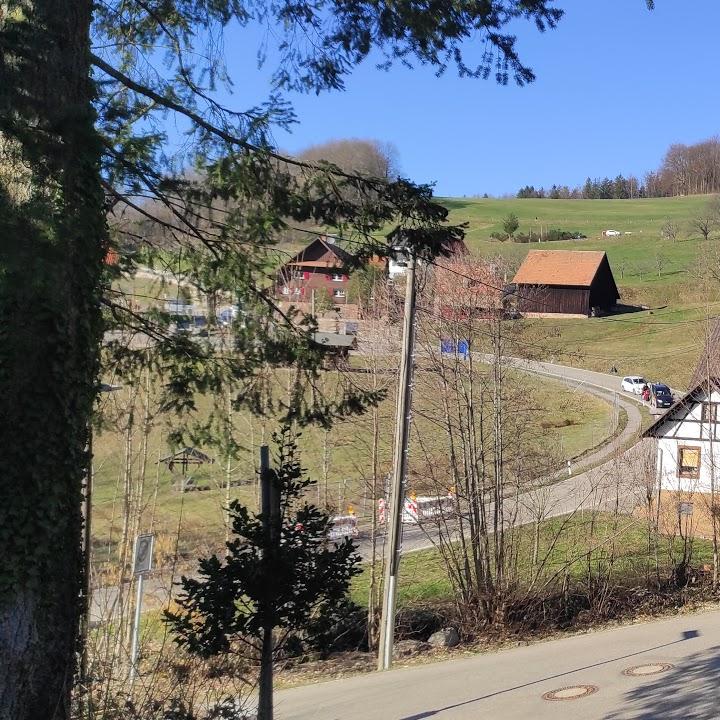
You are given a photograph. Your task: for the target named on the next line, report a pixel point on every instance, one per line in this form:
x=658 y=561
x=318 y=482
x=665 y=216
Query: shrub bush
x=551 y=235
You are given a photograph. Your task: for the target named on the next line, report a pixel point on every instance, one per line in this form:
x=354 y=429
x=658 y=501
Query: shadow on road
x=687 y=635
x=689 y=691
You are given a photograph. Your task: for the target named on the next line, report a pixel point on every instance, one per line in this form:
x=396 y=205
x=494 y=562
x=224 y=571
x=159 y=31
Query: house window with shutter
x=688 y=462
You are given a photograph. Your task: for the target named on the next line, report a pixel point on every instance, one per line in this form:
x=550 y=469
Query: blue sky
x=616 y=85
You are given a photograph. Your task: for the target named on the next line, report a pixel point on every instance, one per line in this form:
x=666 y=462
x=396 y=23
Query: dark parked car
x=660 y=395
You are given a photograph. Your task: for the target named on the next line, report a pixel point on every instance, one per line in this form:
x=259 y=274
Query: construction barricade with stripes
x=418 y=508
x=343 y=526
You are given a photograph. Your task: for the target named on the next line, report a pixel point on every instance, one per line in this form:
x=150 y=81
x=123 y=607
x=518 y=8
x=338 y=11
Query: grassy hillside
x=662 y=343
x=591 y=217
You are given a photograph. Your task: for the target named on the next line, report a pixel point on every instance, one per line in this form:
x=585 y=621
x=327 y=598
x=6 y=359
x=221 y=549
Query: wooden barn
x=568 y=283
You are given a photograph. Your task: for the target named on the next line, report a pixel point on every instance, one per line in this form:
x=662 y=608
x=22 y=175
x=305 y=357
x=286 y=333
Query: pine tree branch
x=220 y=133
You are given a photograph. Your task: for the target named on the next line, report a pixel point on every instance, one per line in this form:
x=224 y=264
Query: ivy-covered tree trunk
x=52 y=241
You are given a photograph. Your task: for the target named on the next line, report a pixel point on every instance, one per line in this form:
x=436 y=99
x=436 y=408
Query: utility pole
x=397 y=488
x=270 y=511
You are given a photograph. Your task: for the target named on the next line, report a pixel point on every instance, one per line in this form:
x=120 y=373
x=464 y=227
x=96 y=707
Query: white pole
x=136 y=628
x=397 y=490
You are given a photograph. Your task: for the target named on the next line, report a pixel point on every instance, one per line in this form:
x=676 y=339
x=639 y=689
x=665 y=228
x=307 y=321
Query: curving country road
x=599 y=480
x=510 y=684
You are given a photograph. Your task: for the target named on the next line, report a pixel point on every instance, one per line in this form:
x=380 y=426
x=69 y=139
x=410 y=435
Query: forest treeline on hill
x=685 y=170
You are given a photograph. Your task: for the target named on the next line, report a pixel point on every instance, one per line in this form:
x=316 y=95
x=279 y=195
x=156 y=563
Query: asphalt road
x=509 y=685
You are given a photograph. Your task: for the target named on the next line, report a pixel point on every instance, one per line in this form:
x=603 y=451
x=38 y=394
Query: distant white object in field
x=611 y=233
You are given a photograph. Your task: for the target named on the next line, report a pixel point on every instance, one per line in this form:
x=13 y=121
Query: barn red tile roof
x=559 y=267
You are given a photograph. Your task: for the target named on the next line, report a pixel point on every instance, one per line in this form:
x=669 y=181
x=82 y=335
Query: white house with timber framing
x=688 y=434
x=688 y=441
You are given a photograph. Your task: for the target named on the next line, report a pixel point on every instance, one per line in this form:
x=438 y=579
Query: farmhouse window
x=338 y=293
x=709 y=412
x=688 y=462
x=337 y=277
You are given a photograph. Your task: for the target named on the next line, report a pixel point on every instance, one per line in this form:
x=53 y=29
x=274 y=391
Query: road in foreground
x=509 y=685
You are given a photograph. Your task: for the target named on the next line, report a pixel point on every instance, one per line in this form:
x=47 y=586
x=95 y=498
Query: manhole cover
x=650 y=669
x=573 y=692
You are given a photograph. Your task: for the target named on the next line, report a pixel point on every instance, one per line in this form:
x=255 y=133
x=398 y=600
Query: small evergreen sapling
x=266 y=586
x=511 y=224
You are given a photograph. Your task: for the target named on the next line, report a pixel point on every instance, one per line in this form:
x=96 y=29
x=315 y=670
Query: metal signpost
x=141 y=566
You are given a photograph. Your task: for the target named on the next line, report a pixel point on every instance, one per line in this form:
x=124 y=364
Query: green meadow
x=574 y=544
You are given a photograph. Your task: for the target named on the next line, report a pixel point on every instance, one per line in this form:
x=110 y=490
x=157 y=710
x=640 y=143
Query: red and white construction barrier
x=343 y=526
x=423 y=507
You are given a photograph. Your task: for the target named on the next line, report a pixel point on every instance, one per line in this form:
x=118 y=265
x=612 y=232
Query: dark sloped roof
x=684 y=402
x=343 y=257
x=452 y=247
x=455 y=247
x=706 y=376
x=189 y=456
x=576 y=268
